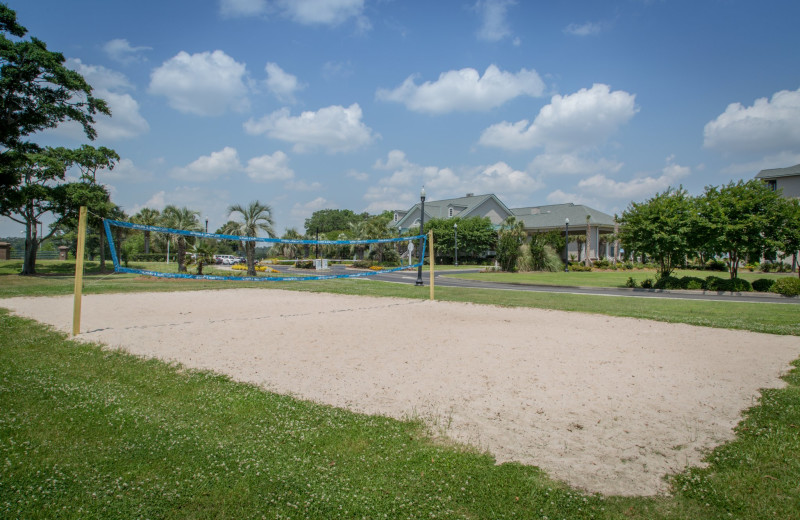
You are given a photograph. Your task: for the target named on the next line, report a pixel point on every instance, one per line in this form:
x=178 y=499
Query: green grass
x=603 y=278
x=92 y=433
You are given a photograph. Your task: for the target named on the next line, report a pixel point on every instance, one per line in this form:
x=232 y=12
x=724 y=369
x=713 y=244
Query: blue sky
x=355 y=104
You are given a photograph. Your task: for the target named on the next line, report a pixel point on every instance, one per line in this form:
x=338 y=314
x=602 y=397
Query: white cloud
x=207 y=83
x=570 y=164
x=122 y=51
x=233 y=8
x=210 y=167
x=586 y=29
x=302 y=185
x=577 y=121
x=768 y=126
x=503 y=180
x=749 y=169
x=602 y=188
x=126 y=121
x=282 y=84
x=562 y=197
x=305 y=12
x=301 y=211
x=126 y=171
x=465 y=90
x=334 y=129
x=494 y=25
x=211 y=202
x=357 y=175
x=269 y=168
x=323 y=12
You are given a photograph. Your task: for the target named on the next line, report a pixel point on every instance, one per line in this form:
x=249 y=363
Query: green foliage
x=787 y=286
x=362 y=264
x=631 y=283
x=304 y=264
x=509 y=241
x=716 y=265
x=661 y=228
x=763 y=284
x=327 y=220
x=579 y=267
x=741 y=219
x=691 y=282
x=715 y=283
x=255 y=218
x=476 y=236
x=543 y=249
x=647 y=283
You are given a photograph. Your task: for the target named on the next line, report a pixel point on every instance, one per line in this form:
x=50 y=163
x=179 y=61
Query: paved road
x=410 y=277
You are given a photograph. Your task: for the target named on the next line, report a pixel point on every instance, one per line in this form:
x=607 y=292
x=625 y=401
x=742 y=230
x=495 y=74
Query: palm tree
x=204 y=254
x=286 y=249
x=358 y=231
x=147 y=217
x=181 y=218
x=256 y=217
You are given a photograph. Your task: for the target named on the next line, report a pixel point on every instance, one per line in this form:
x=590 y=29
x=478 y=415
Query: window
x=773 y=184
x=449 y=212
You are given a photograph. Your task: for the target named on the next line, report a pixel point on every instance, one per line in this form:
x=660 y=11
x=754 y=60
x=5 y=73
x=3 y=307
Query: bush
x=763 y=284
x=305 y=264
x=362 y=264
x=692 y=282
x=579 y=267
x=602 y=263
x=630 y=282
x=765 y=267
x=647 y=283
x=714 y=283
x=787 y=286
x=667 y=282
x=716 y=265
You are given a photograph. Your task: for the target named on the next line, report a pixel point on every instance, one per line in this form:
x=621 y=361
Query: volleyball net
x=204 y=256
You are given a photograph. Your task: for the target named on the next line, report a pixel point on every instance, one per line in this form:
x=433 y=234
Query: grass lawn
x=604 y=278
x=92 y=433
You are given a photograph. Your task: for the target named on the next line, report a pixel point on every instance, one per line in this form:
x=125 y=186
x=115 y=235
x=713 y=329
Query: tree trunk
x=147 y=242
x=102 y=249
x=181 y=255
x=31 y=248
x=250 y=249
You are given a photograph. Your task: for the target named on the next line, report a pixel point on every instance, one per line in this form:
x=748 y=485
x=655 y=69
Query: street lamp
x=206 y=224
x=455 y=229
x=421 y=231
x=566 y=246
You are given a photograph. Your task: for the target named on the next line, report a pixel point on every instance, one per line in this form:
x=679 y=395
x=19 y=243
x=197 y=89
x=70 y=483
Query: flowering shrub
x=376 y=268
x=261 y=268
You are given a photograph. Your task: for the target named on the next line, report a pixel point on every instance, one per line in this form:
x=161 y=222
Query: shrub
x=716 y=265
x=602 y=263
x=763 y=284
x=787 y=286
x=362 y=264
x=628 y=265
x=630 y=282
x=714 y=283
x=692 y=282
x=667 y=282
x=578 y=267
x=765 y=266
x=647 y=283
x=305 y=264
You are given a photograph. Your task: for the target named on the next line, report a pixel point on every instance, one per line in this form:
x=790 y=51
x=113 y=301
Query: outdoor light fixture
x=421 y=231
x=206 y=224
x=566 y=245
x=455 y=229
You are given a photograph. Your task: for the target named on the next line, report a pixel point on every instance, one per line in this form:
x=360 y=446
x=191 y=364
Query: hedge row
x=784 y=286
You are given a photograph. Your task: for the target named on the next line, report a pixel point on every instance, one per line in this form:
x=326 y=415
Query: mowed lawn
x=605 y=278
x=91 y=433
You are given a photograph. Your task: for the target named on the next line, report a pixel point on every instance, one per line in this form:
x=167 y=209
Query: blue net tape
x=107 y=223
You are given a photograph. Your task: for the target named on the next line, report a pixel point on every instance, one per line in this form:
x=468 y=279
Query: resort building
x=581 y=220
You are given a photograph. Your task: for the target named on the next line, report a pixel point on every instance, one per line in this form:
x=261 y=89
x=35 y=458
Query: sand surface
x=607 y=404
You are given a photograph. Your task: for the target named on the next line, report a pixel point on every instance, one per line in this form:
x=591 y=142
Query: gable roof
x=779 y=172
x=439 y=208
x=555 y=215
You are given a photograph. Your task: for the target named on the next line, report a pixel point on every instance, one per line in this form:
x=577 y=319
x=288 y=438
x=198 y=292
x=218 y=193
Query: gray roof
x=439 y=208
x=554 y=216
x=779 y=172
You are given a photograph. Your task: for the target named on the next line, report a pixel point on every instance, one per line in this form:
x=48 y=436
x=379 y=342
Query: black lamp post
x=455 y=229
x=421 y=231
x=206 y=224
x=566 y=246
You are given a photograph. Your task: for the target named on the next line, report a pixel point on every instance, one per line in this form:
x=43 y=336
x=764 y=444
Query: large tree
x=36 y=92
x=255 y=217
x=476 y=236
x=661 y=227
x=147 y=217
x=327 y=220
x=509 y=239
x=741 y=219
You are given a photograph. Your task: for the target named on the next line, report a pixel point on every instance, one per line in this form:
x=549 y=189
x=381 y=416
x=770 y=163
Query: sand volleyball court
x=607 y=404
